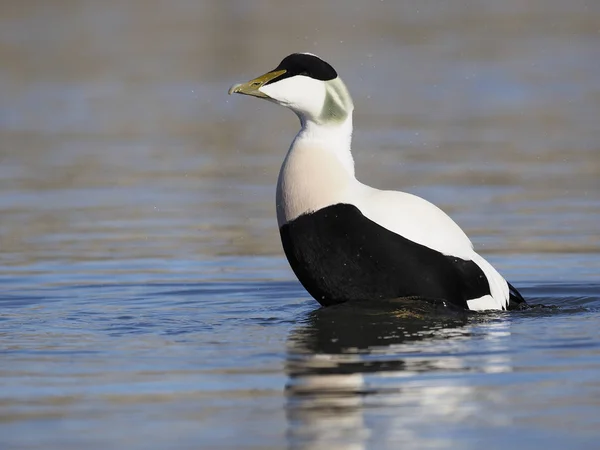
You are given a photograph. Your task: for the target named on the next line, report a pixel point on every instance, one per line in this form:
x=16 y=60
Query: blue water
x=170 y=362
x=145 y=302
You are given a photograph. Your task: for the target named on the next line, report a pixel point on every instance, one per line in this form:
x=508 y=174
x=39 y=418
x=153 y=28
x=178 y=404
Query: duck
x=347 y=241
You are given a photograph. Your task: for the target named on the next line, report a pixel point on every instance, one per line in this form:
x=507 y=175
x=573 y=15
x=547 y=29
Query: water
x=145 y=302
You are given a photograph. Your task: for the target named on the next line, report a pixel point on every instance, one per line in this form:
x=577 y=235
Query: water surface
x=144 y=298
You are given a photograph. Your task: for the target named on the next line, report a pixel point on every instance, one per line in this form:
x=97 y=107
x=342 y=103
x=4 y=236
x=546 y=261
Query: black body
x=340 y=255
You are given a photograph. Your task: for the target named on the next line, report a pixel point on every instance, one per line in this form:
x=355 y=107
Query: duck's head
x=307 y=85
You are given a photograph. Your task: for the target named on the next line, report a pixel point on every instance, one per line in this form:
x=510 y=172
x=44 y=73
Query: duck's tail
x=515 y=299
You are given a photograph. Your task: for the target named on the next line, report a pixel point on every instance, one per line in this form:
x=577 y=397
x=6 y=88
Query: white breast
x=313 y=177
x=310 y=179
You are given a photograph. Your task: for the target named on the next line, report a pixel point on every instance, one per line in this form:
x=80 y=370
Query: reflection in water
x=345 y=360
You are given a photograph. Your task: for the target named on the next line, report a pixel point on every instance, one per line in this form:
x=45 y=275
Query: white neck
x=334 y=137
x=318 y=169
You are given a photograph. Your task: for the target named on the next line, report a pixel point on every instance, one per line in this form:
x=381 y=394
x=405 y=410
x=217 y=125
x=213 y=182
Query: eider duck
x=347 y=241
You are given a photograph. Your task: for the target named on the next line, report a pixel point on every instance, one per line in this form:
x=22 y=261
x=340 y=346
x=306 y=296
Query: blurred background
x=124 y=164
x=117 y=138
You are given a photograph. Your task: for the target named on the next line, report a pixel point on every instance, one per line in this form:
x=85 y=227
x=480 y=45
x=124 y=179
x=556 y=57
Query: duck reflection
x=342 y=356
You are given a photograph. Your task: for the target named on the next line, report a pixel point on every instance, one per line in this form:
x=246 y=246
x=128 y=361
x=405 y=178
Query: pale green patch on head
x=338 y=103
